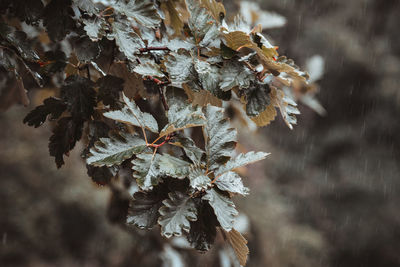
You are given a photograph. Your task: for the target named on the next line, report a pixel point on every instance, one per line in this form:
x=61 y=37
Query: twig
x=153 y=48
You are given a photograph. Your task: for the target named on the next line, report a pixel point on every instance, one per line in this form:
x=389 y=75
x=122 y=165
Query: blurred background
x=328 y=195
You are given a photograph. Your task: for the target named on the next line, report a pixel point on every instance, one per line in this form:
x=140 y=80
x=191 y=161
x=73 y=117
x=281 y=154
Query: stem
x=153 y=48
x=88 y=72
x=165 y=104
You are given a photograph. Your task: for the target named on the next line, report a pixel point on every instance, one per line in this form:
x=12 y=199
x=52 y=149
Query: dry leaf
x=239 y=245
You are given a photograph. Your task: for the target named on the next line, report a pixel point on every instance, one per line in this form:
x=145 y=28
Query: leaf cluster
x=143 y=83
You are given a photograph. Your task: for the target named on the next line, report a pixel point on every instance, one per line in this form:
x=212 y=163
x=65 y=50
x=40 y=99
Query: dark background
x=327 y=196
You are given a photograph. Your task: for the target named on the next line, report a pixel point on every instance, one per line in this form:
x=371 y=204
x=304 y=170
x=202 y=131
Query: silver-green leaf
x=131 y=114
x=114 y=150
x=198 y=179
x=176 y=214
x=224 y=208
x=126 y=39
x=182 y=116
x=172 y=166
x=143 y=12
x=146 y=170
x=220 y=138
x=241 y=160
x=231 y=182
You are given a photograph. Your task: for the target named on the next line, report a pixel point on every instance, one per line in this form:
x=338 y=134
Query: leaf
x=179 y=67
x=149 y=68
x=235 y=74
x=191 y=150
x=143 y=209
x=95 y=28
x=203 y=231
x=224 y=208
x=216 y=9
x=51 y=106
x=204 y=27
x=198 y=179
x=231 y=182
x=101 y=175
x=181 y=117
x=65 y=135
x=126 y=39
x=239 y=245
x=208 y=75
x=109 y=90
x=265 y=117
x=287 y=106
x=18 y=39
x=57 y=18
x=87 y=6
x=79 y=95
x=143 y=11
x=55 y=61
x=174 y=167
x=219 y=137
x=176 y=214
x=174 y=16
x=114 y=150
x=201 y=98
x=257 y=98
x=240 y=161
x=86 y=50
x=28 y=11
x=131 y=114
x=146 y=170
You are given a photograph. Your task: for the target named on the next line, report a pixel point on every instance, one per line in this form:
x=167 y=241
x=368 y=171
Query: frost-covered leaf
x=182 y=116
x=85 y=49
x=231 y=182
x=65 y=135
x=239 y=245
x=203 y=231
x=149 y=68
x=95 y=28
x=143 y=11
x=257 y=97
x=224 y=208
x=57 y=18
x=179 y=67
x=51 y=106
x=79 y=95
x=114 y=150
x=146 y=170
x=87 y=6
x=131 y=114
x=198 y=179
x=240 y=161
x=191 y=150
x=143 y=209
x=109 y=89
x=287 y=106
x=208 y=76
x=219 y=137
x=204 y=27
x=176 y=214
x=235 y=74
x=172 y=166
x=126 y=39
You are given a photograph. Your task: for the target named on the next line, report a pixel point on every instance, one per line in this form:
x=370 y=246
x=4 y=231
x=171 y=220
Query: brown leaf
x=201 y=98
x=133 y=83
x=239 y=245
